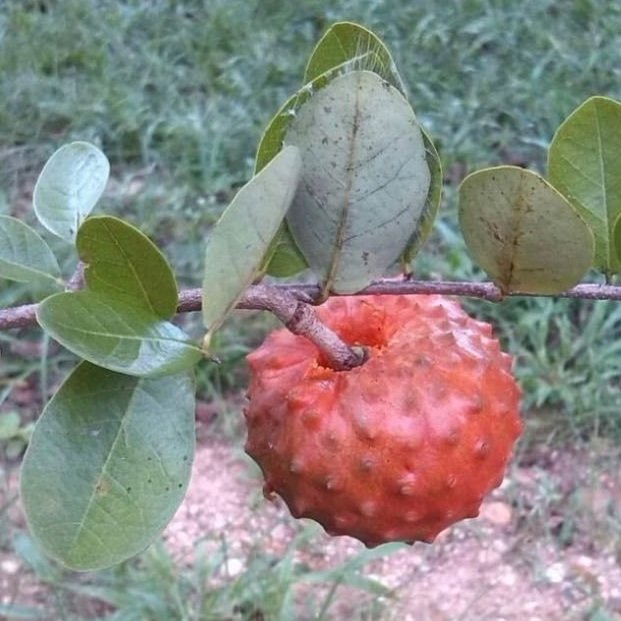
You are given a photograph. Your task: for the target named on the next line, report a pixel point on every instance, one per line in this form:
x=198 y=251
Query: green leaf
x=432 y=204
x=283 y=258
x=272 y=139
x=116 y=335
x=119 y=321
x=108 y=465
x=344 y=47
x=10 y=423
x=124 y=263
x=24 y=256
x=584 y=165
x=69 y=186
x=617 y=237
x=348 y=46
x=351 y=47
x=243 y=234
x=522 y=232
x=365 y=180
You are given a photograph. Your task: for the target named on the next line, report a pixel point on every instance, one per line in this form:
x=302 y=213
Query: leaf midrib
x=608 y=248
x=81 y=525
x=121 y=320
x=11 y=262
x=27 y=269
x=343 y=220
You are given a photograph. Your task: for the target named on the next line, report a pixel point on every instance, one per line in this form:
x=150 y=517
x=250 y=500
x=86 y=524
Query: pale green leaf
x=351 y=47
x=125 y=265
x=522 y=232
x=432 y=204
x=10 y=423
x=243 y=234
x=584 y=165
x=365 y=180
x=347 y=47
x=69 y=186
x=108 y=465
x=344 y=47
x=119 y=321
x=617 y=237
x=117 y=336
x=24 y=256
x=283 y=259
x=272 y=139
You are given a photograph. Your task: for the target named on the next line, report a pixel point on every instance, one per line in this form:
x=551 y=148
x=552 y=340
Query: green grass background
x=177 y=94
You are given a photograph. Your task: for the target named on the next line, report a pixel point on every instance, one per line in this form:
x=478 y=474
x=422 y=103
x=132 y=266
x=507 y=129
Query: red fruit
x=399 y=448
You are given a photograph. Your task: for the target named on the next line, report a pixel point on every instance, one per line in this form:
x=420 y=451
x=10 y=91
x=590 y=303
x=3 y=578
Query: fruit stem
x=300 y=318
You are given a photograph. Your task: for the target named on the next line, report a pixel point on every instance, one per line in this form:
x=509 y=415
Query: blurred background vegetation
x=177 y=93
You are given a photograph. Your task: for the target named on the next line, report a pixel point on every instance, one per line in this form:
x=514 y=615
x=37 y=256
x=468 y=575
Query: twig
x=18 y=317
x=77 y=279
x=300 y=318
x=190 y=299
x=482 y=290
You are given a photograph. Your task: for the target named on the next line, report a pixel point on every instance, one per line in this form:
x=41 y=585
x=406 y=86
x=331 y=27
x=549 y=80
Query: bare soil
x=499 y=567
x=546 y=546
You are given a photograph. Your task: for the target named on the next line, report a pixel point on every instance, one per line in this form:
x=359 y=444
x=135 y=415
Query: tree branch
x=18 y=317
x=290 y=303
x=299 y=317
x=482 y=290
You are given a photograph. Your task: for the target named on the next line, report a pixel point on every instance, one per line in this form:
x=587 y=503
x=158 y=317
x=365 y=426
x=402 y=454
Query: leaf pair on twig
x=358 y=181
x=110 y=458
x=536 y=236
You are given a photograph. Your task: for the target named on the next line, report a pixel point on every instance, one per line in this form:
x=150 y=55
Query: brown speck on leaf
x=102 y=488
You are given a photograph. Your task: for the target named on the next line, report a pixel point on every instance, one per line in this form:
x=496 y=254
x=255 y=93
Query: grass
x=177 y=95
x=214 y=588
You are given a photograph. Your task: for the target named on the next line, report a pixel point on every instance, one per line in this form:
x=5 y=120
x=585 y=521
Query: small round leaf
x=365 y=180
x=126 y=265
x=522 y=232
x=349 y=47
x=24 y=256
x=584 y=165
x=69 y=186
x=115 y=335
x=108 y=465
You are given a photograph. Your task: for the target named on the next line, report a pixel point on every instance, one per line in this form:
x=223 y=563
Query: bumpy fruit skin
x=399 y=448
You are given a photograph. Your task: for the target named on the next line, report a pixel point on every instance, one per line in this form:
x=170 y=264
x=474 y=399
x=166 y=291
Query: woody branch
x=292 y=304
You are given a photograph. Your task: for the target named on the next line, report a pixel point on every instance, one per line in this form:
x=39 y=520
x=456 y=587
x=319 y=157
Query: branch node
x=261 y=297
x=76 y=281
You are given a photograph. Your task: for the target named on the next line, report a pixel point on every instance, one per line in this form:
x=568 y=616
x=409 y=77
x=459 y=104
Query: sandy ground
x=488 y=568
x=499 y=567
